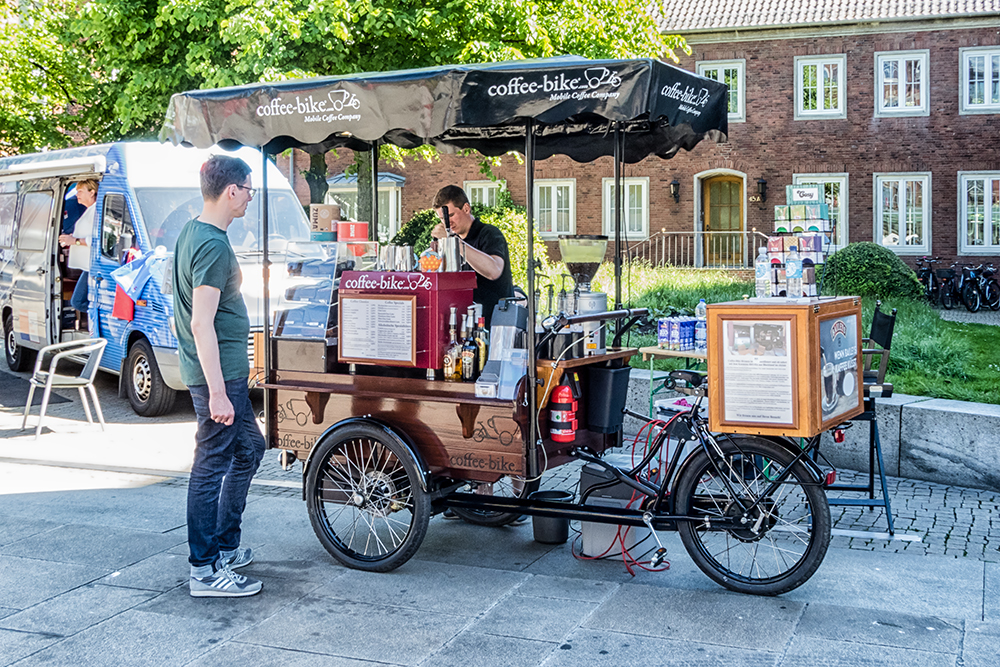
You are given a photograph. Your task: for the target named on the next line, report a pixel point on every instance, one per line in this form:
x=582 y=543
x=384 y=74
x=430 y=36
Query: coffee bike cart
x=384 y=447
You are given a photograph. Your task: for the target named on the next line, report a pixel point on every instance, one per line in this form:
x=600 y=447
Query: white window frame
x=964 y=107
x=843 y=225
x=924 y=108
x=471 y=187
x=991 y=221
x=554 y=183
x=808 y=114
x=740 y=115
x=394 y=212
x=607 y=203
x=925 y=179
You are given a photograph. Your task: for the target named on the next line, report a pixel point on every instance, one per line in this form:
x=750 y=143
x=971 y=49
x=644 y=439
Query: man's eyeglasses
x=252 y=191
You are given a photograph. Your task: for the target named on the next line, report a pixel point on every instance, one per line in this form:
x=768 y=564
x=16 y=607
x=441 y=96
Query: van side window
x=117 y=234
x=8 y=202
x=36 y=220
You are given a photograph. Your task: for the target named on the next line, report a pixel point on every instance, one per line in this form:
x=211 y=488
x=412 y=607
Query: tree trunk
x=362 y=161
x=316 y=178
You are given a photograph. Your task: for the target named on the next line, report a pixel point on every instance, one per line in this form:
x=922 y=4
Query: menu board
x=838 y=347
x=757 y=371
x=378 y=329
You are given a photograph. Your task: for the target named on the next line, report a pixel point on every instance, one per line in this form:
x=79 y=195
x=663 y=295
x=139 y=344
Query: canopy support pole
x=533 y=440
x=618 y=216
x=373 y=230
x=265 y=231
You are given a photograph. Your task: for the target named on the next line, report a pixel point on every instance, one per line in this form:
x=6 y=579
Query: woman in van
x=79 y=243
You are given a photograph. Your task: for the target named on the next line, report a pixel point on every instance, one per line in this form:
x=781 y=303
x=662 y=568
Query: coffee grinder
x=582 y=255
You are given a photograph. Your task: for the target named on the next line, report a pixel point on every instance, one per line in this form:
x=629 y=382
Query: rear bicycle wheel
x=971 y=298
x=991 y=294
x=947 y=293
x=782 y=530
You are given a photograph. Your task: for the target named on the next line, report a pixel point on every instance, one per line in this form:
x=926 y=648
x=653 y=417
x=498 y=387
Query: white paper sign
x=377 y=329
x=757 y=372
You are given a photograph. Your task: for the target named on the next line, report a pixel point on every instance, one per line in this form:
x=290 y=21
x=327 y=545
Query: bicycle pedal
x=658 y=557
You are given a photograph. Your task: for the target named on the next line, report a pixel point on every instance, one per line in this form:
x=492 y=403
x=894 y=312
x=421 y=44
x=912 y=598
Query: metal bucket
x=551 y=530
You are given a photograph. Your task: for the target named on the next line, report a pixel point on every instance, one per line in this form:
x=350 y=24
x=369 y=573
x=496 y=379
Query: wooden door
x=722 y=201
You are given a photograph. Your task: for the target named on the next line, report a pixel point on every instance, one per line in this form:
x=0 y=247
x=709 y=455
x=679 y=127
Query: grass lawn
x=930 y=356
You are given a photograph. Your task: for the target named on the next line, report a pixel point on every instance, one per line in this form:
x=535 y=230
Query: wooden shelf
x=610 y=355
x=655 y=352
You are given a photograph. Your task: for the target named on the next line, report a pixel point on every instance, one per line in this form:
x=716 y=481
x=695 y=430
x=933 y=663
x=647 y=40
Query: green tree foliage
x=867 y=269
x=149 y=49
x=43 y=75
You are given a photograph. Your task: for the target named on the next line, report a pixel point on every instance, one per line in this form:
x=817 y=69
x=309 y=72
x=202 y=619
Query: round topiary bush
x=866 y=269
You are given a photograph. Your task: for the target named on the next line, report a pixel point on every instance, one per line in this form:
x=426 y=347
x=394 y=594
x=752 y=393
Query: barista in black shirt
x=483 y=247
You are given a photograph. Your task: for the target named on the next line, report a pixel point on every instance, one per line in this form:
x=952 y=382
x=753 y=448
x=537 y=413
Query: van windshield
x=165 y=210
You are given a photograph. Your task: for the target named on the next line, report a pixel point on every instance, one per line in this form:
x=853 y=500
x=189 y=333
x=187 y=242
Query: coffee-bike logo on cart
x=338 y=105
x=592 y=83
x=389 y=282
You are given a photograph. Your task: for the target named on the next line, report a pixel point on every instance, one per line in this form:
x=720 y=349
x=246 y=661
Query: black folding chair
x=875 y=361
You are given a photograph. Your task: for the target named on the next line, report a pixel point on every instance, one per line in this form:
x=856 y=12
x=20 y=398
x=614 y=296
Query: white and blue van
x=147 y=191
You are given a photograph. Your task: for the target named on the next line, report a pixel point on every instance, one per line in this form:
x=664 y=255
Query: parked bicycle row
x=971 y=286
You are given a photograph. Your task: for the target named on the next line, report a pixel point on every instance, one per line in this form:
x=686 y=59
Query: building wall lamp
x=762 y=189
x=675 y=190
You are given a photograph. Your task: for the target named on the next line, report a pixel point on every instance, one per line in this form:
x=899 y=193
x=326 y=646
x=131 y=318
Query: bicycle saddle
x=693 y=378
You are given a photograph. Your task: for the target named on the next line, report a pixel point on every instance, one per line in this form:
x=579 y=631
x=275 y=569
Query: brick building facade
x=898 y=116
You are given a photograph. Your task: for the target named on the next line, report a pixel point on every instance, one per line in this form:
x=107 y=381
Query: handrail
x=699 y=249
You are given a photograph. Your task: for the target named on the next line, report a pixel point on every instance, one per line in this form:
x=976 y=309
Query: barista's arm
x=488 y=266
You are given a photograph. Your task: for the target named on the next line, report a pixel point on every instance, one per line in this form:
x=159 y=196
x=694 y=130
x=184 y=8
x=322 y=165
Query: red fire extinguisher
x=562 y=414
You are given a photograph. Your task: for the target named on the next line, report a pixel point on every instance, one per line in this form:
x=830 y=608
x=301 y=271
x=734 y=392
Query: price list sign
x=378 y=329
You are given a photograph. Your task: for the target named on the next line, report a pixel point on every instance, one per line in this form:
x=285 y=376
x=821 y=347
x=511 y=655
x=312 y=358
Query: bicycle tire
x=971 y=297
x=364 y=498
x=991 y=294
x=783 y=544
x=947 y=296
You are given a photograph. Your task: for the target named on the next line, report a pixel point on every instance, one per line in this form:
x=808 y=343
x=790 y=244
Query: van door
x=31 y=293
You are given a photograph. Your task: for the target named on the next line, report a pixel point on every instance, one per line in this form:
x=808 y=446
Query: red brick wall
x=773 y=145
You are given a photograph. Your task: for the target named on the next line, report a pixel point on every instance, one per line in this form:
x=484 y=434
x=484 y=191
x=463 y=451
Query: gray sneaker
x=224 y=583
x=236 y=559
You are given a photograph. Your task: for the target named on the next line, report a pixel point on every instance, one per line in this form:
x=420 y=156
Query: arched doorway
x=722 y=218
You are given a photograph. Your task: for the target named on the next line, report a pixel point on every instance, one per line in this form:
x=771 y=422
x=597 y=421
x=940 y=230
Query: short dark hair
x=219 y=172
x=450 y=194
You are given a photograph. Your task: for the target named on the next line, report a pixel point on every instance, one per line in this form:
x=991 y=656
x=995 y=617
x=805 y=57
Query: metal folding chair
x=90 y=350
x=875 y=360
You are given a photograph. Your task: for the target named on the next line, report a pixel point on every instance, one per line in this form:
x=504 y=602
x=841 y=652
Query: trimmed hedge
x=869 y=270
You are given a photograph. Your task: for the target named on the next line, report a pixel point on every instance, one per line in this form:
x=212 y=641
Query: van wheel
x=147 y=392
x=18 y=358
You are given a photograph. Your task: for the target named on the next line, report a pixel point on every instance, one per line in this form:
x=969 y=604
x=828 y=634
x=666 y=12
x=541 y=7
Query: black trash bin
x=607 y=390
x=551 y=530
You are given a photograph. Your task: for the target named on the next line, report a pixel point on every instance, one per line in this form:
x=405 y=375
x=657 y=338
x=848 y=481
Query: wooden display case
x=788 y=367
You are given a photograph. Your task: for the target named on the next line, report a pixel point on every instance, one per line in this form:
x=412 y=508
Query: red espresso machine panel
x=373 y=314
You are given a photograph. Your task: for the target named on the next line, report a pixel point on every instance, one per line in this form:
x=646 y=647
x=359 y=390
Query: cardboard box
x=811 y=242
x=782 y=226
x=775 y=244
x=790 y=241
x=813 y=258
x=781 y=213
x=349 y=230
x=777 y=258
x=323 y=216
x=818 y=226
x=798 y=212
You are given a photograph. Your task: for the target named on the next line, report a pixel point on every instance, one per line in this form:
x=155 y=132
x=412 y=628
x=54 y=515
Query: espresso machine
x=582 y=255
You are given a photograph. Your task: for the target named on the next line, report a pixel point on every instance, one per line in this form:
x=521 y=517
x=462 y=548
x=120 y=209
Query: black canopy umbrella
x=585 y=109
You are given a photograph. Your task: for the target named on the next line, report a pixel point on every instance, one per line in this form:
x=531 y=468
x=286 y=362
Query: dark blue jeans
x=81 y=294
x=225 y=459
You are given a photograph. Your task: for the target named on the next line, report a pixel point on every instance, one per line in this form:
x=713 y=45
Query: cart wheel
x=787 y=529
x=364 y=497
x=505 y=487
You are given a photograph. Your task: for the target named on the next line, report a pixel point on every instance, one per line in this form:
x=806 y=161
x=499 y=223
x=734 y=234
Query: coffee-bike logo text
x=690 y=98
x=338 y=105
x=592 y=83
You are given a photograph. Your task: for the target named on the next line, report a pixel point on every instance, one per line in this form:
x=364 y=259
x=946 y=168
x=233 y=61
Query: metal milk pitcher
x=452 y=253
x=404 y=259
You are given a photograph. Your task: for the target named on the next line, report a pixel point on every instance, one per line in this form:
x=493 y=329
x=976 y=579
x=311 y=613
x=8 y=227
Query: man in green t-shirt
x=212 y=330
